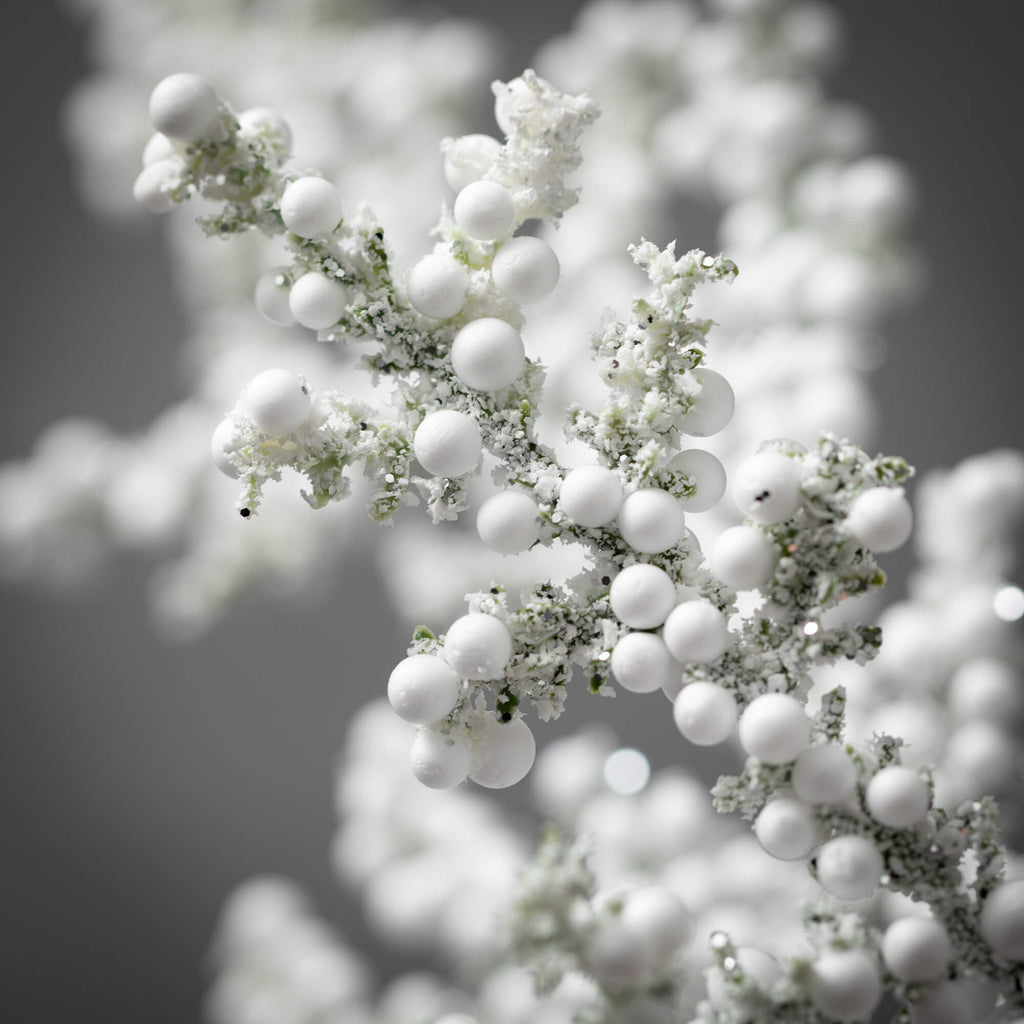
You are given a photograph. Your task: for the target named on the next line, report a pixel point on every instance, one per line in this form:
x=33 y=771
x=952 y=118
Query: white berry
x=642 y=595
x=277 y=401
x=641 y=663
x=272 y=295
x=183 y=106
x=948 y=1002
x=317 y=301
x=448 y=443
x=155 y=183
x=224 y=441
x=468 y=159
x=823 y=774
x=488 y=354
x=478 y=646
x=786 y=828
x=897 y=796
x=850 y=867
x=437 y=286
x=525 y=270
x=484 y=210
x=743 y=557
x=881 y=519
x=774 y=728
x=423 y=689
x=503 y=753
x=439 y=761
x=696 y=631
x=708 y=475
x=658 y=921
x=766 y=487
x=712 y=408
x=651 y=520
x=590 y=496
x=508 y=522
x=311 y=207
x=159 y=147
x=1002 y=920
x=916 y=949
x=268 y=126
x=705 y=713
x=846 y=984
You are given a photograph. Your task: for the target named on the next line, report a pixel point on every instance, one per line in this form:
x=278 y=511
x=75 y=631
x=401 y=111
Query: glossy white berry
x=508 y=522
x=437 y=286
x=824 y=774
x=224 y=441
x=774 y=728
x=850 y=867
x=1002 y=920
x=423 y=689
x=786 y=828
x=948 y=1002
x=525 y=270
x=846 y=984
x=705 y=713
x=265 y=125
x=743 y=557
x=155 y=183
x=708 y=475
x=317 y=301
x=658 y=921
x=468 y=158
x=651 y=520
x=641 y=663
x=897 y=796
x=503 y=753
x=440 y=761
x=766 y=487
x=881 y=519
x=642 y=595
x=277 y=401
x=916 y=949
x=448 y=443
x=311 y=207
x=478 y=646
x=484 y=210
x=183 y=106
x=712 y=408
x=696 y=631
x=590 y=496
x=488 y=354
x=272 y=295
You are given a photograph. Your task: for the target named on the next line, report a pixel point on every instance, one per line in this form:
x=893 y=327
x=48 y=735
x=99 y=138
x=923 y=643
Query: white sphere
x=986 y=688
x=468 y=158
x=277 y=401
x=708 y=475
x=824 y=774
x=317 y=301
x=786 y=829
x=642 y=595
x=590 y=496
x=641 y=663
x=897 y=796
x=159 y=147
x=850 y=867
x=273 y=297
x=916 y=949
x=525 y=270
x=881 y=519
x=224 y=441
x=651 y=520
x=311 y=207
x=423 y=689
x=658 y=920
x=614 y=957
x=743 y=557
x=766 y=487
x=266 y=124
x=948 y=1002
x=183 y=106
x=1002 y=920
x=774 y=728
x=508 y=522
x=705 y=713
x=437 y=286
x=439 y=761
x=478 y=646
x=152 y=187
x=696 y=631
x=448 y=443
x=712 y=408
x=503 y=753
x=488 y=354
x=846 y=984
x=484 y=210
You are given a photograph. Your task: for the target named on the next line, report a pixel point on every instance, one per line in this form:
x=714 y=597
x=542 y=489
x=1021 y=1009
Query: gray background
x=140 y=781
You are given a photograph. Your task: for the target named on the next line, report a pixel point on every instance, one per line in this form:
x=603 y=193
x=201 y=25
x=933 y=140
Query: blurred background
x=143 y=779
